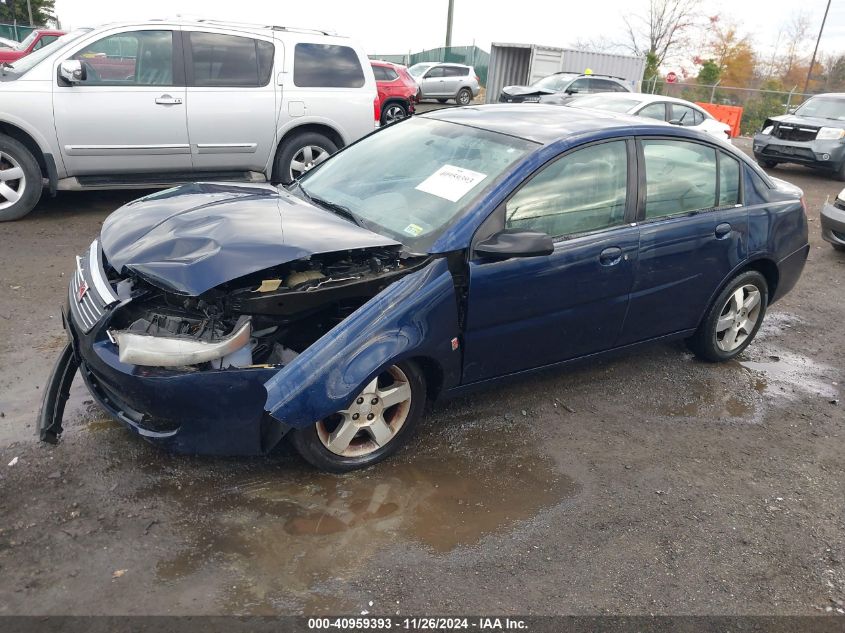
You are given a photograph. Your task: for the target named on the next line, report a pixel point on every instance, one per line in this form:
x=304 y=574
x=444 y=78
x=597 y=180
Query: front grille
x=789 y=132
x=789 y=152
x=89 y=293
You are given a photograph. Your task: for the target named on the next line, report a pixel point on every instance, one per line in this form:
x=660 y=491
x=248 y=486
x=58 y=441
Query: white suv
x=157 y=103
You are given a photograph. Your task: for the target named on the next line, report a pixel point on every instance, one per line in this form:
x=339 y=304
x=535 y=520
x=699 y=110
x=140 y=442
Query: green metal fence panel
x=11 y=32
x=468 y=55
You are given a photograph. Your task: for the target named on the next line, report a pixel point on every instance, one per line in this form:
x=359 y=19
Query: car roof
x=541 y=123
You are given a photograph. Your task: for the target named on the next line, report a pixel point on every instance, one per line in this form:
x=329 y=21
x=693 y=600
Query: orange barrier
x=732 y=115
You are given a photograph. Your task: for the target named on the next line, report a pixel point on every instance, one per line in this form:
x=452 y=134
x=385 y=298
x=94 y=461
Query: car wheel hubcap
x=307 y=158
x=738 y=318
x=393 y=114
x=12 y=181
x=373 y=419
x=464 y=98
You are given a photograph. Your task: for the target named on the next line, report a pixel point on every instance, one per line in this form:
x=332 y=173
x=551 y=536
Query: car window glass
x=38 y=44
x=139 y=58
x=699 y=118
x=579 y=85
x=682 y=115
x=583 y=191
x=228 y=60
x=326 y=66
x=437 y=71
x=456 y=71
x=728 y=180
x=654 y=111
x=390 y=74
x=604 y=85
x=47 y=39
x=378 y=73
x=680 y=177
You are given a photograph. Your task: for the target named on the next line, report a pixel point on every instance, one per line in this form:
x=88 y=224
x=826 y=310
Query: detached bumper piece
x=56 y=395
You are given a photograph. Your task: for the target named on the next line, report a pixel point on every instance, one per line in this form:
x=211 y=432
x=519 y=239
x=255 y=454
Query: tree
x=835 y=74
x=43 y=11
x=731 y=52
x=664 y=31
x=797 y=34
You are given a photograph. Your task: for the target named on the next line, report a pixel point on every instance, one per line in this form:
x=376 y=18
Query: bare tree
x=796 y=39
x=664 y=29
x=597 y=45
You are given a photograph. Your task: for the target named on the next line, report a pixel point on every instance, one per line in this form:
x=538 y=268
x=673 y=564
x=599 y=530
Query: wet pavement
x=646 y=483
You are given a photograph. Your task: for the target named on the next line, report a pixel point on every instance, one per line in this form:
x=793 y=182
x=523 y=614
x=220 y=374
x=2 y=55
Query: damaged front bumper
x=825 y=154
x=213 y=412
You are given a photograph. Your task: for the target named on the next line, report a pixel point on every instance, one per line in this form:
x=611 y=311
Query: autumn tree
x=664 y=31
x=732 y=52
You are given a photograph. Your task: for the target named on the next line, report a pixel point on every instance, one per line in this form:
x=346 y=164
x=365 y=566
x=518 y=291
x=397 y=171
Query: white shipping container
x=523 y=64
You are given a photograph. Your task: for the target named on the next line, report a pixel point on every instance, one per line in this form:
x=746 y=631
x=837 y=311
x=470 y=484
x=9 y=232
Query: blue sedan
x=435 y=256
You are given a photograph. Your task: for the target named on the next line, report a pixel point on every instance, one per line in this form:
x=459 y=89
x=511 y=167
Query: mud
x=649 y=483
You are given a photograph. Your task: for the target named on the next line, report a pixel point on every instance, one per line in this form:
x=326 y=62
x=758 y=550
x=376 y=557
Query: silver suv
x=446 y=81
x=152 y=104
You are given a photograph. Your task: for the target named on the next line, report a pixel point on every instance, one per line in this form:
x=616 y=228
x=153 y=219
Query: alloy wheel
x=12 y=181
x=738 y=318
x=373 y=419
x=393 y=113
x=464 y=97
x=305 y=159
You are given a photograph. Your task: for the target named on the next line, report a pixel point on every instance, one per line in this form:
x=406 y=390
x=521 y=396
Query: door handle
x=168 y=100
x=723 y=230
x=610 y=256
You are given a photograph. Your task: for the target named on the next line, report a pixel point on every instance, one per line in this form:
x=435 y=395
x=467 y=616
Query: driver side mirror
x=515 y=243
x=791 y=110
x=72 y=71
x=571 y=91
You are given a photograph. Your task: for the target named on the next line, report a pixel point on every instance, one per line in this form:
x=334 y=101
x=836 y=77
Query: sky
x=399 y=27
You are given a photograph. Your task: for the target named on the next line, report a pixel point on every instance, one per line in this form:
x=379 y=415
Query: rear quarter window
x=326 y=66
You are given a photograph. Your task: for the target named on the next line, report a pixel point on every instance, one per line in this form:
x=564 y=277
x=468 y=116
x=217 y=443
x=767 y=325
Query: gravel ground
x=650 y=483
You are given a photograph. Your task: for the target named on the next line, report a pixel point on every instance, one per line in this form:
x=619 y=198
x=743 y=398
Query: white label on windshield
x=451 y=182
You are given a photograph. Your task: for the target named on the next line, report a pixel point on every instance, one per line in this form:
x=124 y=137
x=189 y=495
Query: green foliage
x=43 y=11
x=763 y=105
x=709 y=73
x=651 y=64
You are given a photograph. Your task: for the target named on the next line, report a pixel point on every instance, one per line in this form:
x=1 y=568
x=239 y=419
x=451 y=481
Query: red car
x=397 y=91
x=35 y=40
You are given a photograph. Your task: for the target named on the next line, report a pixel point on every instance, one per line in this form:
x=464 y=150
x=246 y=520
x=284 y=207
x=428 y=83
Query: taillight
x=477 y=79
x=376 y=111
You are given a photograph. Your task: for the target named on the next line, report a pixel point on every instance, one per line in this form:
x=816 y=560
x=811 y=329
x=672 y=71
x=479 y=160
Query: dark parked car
x=811 y=135
x=437 y=255
x=560 y=88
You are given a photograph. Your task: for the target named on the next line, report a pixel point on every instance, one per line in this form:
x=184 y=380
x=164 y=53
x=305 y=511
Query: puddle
x=786 y=374
x=285 y=533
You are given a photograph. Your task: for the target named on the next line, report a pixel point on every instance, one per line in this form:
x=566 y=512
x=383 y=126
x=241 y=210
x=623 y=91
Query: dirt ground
x=647 y=484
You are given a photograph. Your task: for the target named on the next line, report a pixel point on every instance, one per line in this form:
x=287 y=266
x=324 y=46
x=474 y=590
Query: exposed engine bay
x=263 y=319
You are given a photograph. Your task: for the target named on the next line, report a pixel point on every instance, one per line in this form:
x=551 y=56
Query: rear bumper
x=833 y=224
x=215 y=412
x=821 y=154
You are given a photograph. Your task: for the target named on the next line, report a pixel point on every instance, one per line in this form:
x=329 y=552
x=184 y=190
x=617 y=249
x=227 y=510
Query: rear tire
x=393 y=112
x=442 y=100
x=838 y=247
x=767 y=164
x=20 y=180
x=464 y=97
x=360 y=448
x=733 y=319
x=292 y=159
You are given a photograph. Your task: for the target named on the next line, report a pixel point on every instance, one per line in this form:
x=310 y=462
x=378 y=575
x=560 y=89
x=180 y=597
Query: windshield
x=6 y=43
x=22 y=46
x=25 y=64
x=603 y=103
x=411 y=180
x=418 y=69
x=824 y=108
x=554 y=83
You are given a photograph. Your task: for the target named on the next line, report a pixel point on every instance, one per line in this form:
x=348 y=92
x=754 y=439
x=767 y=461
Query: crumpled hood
x=192 y=238
x=520 y=91
x=792 y=119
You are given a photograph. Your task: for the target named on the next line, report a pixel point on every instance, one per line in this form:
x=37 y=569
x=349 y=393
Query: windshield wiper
x=337 y=209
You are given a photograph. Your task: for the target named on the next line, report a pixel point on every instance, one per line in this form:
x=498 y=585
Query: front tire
x=733 y=319
x=377 y=423
x=301 y=153
x=767 y=164
x=20 y=180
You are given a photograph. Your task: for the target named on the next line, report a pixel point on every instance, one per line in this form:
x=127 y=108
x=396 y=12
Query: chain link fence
x=756 y=103
x=15 y=32
x=467 y=55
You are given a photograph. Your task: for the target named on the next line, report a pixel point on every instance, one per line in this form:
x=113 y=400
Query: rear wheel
x=20 y=180
x=301 y=153
x=393 y=112
x=767 y=164
x=442 y=100
x=464 y=96
x=377 y=423
x=734 y=318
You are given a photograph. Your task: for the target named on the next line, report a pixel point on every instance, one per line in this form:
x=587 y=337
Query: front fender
x=415 y=316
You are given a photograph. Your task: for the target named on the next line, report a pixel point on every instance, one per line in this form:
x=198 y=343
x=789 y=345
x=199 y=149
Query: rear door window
x=456 y=71
x=681 y=177
x=606 y=85
x=228 y=60
x=326 y=66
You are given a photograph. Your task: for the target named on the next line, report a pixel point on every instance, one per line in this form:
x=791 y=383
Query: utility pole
x=449 y=23
x=29 y=9
x=816 y=49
